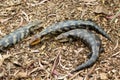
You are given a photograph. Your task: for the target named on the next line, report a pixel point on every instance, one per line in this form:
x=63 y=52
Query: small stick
x=74 y=75
x=116 y=15
x=115 y=54
x=89 y=73
x=56 y=62
x=116 y=45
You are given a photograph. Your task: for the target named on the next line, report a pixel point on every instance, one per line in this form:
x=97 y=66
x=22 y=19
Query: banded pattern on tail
x=18 y=34
x=91 y=39
x=64 y=26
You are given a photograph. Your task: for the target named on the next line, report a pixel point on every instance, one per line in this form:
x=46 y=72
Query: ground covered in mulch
x=37 y=63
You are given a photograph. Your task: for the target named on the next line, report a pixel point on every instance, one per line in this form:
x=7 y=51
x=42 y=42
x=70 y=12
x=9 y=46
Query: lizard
x=92 y=40
x=17 y=35
x=67 y=25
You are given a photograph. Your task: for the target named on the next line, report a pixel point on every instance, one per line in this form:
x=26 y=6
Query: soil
x=21 y=62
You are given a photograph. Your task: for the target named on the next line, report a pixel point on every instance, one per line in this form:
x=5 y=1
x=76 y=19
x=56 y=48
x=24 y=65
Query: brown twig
x=116 y=45
x=26 y=15
x=89 y=73
x=115 y=54
x=87 y=76
x=43 y=1
x=4 y=20
x=116 y=15
x=56 y=62
x=21 y=22
x=74 y=75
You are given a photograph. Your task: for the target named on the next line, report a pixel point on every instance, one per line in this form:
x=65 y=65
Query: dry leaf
x=101 y=10
x=79 y=8
x=5 y=20
x=16 y=63
x=28 y=63
x=2 y=72
x=21 y=75
x=103 y=76
x=35 y=51
x=43 y=47
x=3 y=57
x=6 y=56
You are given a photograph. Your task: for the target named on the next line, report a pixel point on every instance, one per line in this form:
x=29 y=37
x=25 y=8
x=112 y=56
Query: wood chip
x=101 y=10
x=21 y=74
x=103 y=76
x=2 y=73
